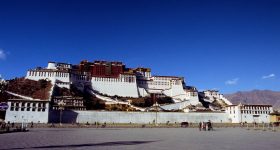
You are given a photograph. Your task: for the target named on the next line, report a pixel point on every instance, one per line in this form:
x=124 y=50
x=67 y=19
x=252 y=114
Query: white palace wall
x=60 y=78
x=51 y=75
x=115 y=86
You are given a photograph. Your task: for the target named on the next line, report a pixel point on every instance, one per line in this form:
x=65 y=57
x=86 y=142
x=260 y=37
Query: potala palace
x=113 y=78
x=115 y=84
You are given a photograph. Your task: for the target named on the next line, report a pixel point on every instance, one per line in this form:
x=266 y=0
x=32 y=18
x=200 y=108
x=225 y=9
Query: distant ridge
x=256 y=97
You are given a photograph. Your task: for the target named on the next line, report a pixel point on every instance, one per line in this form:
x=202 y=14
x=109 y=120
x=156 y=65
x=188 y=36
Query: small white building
x=23 y=110
x=249 y=113
x=212 y=95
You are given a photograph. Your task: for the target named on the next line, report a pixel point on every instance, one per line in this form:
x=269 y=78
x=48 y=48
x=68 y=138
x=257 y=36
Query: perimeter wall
x=135 y=117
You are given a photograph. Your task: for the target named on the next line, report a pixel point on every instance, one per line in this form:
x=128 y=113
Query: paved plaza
x=141 y=139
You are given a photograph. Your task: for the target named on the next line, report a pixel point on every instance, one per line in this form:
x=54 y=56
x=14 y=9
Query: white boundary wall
x=137 y=117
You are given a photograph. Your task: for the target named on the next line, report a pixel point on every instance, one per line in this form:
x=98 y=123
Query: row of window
x=157 y=83
x=56 y=74
x=76 y=108
x=251 y=112
x=48 y=74
x=70 y=102
x=252 y=108
x=124 y=79
x=81 y=77
x=66 y=66
x=254 y=112
x=165 y=78
x=211 y=94
x=255 y=108
x=192 y=93
x=246 y=117
x=29 y=106
x=153 y=83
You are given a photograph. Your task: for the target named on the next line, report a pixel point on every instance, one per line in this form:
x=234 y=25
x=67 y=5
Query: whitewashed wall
x=115 y=86
x=142 y=92
x=37 y=75
x=52 y=76
x=236 y=117
x=27 y=116
x=176 y=106
x=136 y=117
x=172 y=88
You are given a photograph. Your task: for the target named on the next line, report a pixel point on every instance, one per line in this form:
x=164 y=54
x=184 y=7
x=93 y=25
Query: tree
x=3 y=88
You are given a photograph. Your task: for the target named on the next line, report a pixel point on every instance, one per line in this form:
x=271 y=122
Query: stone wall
x=135 y=117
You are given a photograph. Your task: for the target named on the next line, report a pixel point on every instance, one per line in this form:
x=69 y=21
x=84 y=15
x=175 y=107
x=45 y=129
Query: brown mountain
x=256 y=97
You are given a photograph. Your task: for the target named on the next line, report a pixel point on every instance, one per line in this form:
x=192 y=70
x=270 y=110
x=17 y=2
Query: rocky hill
x=256 y=97
x=34 y=89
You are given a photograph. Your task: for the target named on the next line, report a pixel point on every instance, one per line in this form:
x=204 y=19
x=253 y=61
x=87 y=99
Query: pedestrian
x=204 y=126
x=209 y=125
x=199 y=126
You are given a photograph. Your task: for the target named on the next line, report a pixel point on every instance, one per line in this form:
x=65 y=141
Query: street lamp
x=22 y=123
x=61 y=106
x=156 y=113
x=156 y=106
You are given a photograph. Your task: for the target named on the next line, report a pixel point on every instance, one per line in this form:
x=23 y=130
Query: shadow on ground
x=118 y=143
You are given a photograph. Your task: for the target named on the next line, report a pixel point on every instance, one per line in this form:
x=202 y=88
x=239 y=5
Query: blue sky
x=226 y=45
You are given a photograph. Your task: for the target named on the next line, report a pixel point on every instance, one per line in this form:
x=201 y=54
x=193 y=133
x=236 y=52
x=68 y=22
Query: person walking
x=199 y=126
x=209 y=125
x=204 y=126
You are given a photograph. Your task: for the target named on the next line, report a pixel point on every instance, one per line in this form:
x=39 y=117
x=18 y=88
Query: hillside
x=35 y=89
x=256 y=97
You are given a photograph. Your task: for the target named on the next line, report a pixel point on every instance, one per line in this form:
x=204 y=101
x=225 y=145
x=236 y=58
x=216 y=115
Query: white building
x=170 y=86
x=128 y=83
x=60 y=74
x=212 y=95
x=249 y=113
x=23 y=110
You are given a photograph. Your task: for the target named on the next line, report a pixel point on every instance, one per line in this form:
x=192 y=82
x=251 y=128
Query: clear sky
x=224 y=45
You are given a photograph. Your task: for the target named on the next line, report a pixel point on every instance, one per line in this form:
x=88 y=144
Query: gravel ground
x=142 y=139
